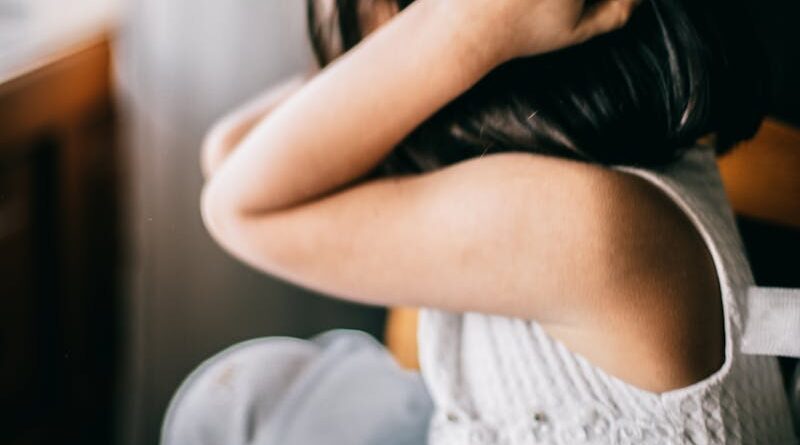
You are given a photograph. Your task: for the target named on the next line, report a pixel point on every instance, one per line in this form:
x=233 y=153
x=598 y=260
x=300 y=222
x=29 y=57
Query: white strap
x=772 y=322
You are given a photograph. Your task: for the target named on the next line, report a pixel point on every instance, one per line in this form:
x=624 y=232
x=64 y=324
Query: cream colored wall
x=181 y=63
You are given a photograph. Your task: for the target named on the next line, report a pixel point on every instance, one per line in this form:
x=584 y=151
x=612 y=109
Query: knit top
x=500 y=380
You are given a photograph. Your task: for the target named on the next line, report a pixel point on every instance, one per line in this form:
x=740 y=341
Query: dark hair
x=679 y=70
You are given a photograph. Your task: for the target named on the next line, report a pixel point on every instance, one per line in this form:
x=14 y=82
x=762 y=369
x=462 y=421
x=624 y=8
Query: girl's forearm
x=351 y=115
x=233 y=127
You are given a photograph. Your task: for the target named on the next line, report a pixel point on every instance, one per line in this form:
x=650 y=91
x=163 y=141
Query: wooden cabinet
x=58 y=250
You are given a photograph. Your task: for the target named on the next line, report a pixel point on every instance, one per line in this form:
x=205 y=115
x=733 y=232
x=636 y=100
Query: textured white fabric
x=498 y=380
x=772 y=322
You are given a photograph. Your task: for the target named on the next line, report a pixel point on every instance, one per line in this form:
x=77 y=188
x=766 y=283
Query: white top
x=499 y=380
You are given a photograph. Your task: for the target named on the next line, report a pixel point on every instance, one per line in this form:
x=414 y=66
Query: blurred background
x=111 y=289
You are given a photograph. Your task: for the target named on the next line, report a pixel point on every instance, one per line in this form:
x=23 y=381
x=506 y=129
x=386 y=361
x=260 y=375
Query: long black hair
x=678 y=71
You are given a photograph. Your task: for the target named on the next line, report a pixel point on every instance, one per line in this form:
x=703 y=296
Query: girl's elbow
x=245 y=237
x=219 y=217
x=212 y=152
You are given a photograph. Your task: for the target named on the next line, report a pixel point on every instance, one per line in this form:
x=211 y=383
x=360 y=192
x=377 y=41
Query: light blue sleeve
x=341 y=387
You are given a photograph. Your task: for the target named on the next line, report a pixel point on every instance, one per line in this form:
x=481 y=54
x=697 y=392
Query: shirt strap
x=772 y=322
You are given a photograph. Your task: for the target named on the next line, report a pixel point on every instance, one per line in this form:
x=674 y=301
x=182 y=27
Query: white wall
x=181 y=64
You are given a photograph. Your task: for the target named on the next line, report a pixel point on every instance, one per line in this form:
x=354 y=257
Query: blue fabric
x=341 y=387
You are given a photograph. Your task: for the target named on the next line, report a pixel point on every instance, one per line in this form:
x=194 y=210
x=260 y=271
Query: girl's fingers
x=605 y=16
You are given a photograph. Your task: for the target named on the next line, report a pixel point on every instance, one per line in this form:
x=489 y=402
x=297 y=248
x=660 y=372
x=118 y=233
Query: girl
x=528 y=172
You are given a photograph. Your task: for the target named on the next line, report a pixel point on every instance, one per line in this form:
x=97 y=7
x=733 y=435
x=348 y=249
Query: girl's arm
x=233 y=127
x=349 y=117
x=445 y=239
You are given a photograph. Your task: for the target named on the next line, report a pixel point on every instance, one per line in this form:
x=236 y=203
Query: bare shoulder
x=666 y=302
x=637 y=277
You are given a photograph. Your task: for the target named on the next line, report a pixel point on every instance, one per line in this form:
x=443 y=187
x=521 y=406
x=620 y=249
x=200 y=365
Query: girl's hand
x=519 y=28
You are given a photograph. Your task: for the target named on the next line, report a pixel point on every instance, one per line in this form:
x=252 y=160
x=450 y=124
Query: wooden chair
x=762 y=178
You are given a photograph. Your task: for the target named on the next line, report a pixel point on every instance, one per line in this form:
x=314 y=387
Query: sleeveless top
x=500 y=380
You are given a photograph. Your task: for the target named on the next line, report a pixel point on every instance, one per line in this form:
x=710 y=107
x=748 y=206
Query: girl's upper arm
x=512 y=234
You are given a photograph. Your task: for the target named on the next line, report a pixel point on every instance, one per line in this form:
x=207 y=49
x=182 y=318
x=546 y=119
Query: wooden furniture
x=762 y=178
x=401 y=336
x=58 y=247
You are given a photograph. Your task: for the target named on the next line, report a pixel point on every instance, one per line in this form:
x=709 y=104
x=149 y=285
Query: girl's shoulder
x=620 y=271
x=666 y=302
x=634 y=261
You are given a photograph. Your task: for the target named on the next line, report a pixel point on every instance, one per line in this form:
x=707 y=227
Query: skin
x=604 y=261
